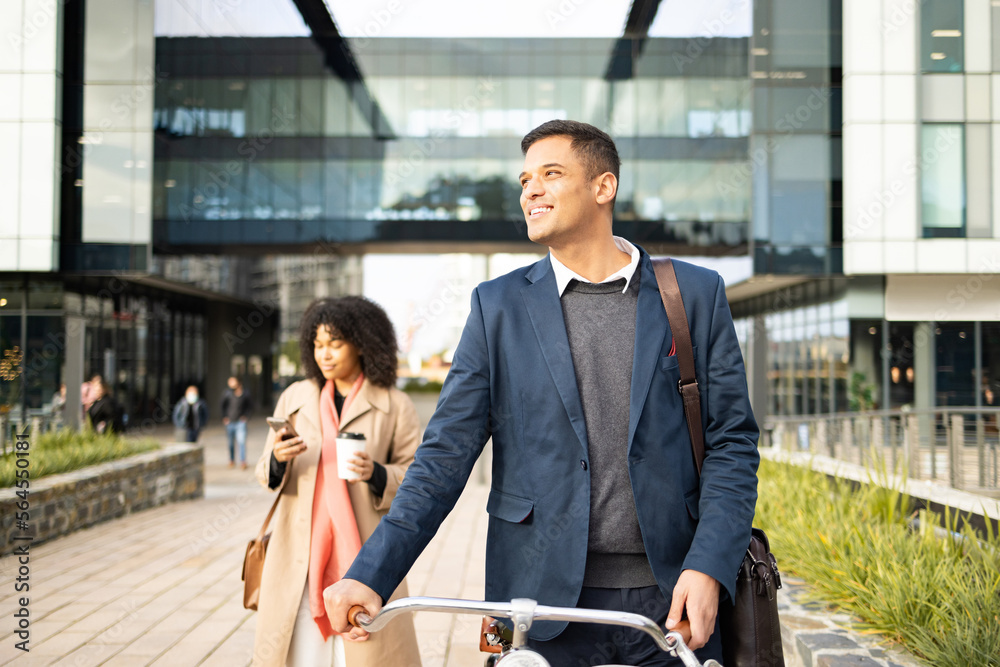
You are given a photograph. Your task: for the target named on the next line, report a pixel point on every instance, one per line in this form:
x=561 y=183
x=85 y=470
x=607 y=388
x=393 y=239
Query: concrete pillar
x=924 y=366
x=955 y=445
x=925 y=384
x=911 y=446
x=757 y=368
x=73 y=372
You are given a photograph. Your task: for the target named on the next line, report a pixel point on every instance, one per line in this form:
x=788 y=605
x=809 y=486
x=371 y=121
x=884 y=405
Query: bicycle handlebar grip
x=357 y=615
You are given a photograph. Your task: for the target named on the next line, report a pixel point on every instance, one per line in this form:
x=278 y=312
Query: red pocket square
x=673 y=347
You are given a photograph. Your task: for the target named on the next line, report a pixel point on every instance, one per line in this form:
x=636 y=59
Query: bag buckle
x=681 y=384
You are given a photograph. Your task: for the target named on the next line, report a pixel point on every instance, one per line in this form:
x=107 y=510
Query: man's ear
x=606 y=188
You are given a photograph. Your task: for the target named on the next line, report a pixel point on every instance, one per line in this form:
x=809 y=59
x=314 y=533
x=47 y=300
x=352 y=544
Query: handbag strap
x=277 y=497
x=670 y=293
x=270 y=513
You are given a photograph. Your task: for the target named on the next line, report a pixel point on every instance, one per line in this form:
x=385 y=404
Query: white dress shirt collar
x=564 y=274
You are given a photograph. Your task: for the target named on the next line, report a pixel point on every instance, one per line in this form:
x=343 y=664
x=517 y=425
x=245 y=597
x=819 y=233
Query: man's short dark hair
x=596 y=149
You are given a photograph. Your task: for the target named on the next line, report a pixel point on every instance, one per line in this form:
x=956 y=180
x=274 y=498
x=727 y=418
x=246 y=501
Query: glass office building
x=875 y=233
x=247 y=153
x=259 y=145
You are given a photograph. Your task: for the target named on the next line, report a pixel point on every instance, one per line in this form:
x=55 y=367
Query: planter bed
x=60 y=504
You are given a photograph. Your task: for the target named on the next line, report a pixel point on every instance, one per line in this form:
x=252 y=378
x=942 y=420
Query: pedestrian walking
x=190 y=414
x=349 y=349
x=104 y=413
x=237 y=407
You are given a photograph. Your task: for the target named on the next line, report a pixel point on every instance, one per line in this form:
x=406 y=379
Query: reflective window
x=942 y=181
x=990 y=387
x=956 y=357
x=942 y=46
x=809 y=366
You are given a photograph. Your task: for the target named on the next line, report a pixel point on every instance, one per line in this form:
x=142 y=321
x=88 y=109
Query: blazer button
x=583 y=464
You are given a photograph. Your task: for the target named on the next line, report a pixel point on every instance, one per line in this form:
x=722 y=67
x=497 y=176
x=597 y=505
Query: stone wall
x=60 y=504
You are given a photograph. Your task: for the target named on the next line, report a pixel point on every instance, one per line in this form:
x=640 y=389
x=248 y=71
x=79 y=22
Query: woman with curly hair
x=349 y=353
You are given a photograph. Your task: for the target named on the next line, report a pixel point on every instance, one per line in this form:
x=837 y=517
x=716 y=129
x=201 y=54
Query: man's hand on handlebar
x=697 y=594
x=339 y=599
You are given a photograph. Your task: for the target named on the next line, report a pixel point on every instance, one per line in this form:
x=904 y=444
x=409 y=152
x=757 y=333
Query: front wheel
x=521 y=658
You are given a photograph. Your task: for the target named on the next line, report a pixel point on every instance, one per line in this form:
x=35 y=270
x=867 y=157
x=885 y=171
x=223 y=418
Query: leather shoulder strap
x=277 y=495
x=670 y=293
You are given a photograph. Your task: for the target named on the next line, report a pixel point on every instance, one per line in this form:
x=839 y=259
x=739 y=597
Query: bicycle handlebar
x=522 y=612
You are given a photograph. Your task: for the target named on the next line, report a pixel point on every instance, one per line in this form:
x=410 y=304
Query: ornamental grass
x=930 y=586
x=65 y=450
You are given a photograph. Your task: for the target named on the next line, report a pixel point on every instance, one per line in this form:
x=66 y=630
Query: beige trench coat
x=389 y=422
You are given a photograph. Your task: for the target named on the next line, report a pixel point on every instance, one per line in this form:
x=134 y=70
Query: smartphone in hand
x=277 y=424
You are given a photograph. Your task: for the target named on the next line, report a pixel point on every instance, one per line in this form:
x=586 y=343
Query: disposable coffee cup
x=348 y=444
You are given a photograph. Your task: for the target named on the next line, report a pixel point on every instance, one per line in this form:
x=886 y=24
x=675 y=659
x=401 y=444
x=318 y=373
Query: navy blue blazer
x=512 y=378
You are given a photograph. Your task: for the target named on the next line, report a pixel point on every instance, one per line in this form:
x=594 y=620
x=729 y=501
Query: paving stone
x=846 y=661
x=801 y=623
x=809 y=644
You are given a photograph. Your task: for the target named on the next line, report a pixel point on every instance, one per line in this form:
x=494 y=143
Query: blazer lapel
x=545 y=311
x=651 y=328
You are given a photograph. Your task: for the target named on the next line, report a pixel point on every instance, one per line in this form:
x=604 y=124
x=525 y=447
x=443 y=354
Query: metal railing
x=39 y=421
x=958 y=446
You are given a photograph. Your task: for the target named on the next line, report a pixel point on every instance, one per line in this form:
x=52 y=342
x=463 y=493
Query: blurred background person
x=58 y=405
x=190 y=414
x=348 y=348
x=88 y=393
x=236 y=410
x=104 y=412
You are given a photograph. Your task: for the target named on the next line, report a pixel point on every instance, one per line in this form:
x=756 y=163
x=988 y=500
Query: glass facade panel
x=809 y=363
x=956 y=369
x=942 y=181
x=335 y=108
x=990 y=388
x=901 y=369
x=801 y=33
x=942 y=45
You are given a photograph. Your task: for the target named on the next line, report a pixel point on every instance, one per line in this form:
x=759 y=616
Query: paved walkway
x=162 y=587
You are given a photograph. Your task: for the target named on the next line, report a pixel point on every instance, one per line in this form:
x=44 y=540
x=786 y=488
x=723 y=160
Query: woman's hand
x=362 y=464
x=287 y=447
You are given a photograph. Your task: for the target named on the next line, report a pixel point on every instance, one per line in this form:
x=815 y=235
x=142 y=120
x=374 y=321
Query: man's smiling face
x=557 y=196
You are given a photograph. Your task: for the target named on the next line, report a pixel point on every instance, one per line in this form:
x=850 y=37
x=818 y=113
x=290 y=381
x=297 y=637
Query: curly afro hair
x=360 y=322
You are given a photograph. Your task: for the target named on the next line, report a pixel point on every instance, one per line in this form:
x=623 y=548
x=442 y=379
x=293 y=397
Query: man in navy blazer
x=525 y=373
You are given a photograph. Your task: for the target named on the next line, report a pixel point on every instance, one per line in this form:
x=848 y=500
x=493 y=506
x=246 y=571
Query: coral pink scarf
x=335 y=538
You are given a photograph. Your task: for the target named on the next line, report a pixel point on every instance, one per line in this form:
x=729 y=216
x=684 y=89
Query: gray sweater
x=600 y=323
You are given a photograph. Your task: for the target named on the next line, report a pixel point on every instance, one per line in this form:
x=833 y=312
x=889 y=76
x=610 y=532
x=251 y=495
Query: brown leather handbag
x=253 y=561
x=751 y=632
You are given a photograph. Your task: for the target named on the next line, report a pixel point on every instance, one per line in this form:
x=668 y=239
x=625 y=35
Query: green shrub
x=65 y=450
x=935 y=592
x=422 y=386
